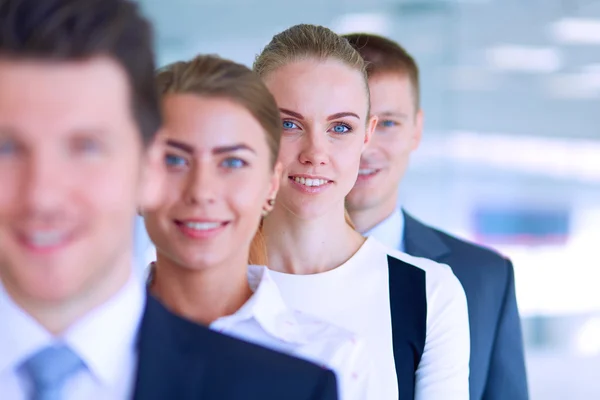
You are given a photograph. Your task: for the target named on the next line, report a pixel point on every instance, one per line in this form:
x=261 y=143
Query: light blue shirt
x=141 y=246
x=390 y=231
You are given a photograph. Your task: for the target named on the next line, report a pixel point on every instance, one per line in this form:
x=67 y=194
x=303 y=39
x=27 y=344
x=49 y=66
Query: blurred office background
x=511 y=150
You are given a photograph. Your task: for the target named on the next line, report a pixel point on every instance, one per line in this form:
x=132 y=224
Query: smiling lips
x=310 y=184
x=200 y=229
x=364 y=174
x=44 y=241
x=367 y=171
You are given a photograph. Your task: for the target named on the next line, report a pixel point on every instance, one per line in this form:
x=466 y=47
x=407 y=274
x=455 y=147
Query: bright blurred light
x=553 y=157
x=576 y=31
x=524 y=58
x=587 y=342
x=375 y=23
x=573 y=86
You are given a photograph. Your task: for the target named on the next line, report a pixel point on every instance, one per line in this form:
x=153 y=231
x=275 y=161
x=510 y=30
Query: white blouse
x=356 y=296
x=265 y=319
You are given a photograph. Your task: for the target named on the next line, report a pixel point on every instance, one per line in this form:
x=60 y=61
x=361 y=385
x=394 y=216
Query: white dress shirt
x=355 y=296
x=105 y=339
x=390 y=231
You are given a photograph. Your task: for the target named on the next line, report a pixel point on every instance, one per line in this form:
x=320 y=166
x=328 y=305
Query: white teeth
x=310 y=182
x=46 y=239
x=366 y=171
x=202 y=226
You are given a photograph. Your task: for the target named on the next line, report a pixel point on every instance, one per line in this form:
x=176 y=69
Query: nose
x=202 y=186
x=314 y=150
x=46 y=183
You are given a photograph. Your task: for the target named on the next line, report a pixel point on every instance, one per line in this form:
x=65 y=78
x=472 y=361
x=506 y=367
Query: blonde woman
x=412 y=312
x=223 y=129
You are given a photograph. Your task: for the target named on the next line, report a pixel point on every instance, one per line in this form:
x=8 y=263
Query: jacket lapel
x=422 y=241
x=168 y=366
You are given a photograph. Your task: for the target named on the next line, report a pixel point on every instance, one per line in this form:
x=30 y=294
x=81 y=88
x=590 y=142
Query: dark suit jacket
x=497 y=365
x=179 y=360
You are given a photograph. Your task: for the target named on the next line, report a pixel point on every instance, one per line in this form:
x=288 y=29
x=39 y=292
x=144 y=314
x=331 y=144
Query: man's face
x=398 y=133
x=72 y=173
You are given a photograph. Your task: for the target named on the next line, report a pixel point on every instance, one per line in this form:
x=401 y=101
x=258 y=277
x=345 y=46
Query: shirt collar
x=20 y=337
x=113 y=325
x=390 y=231
x=267 y=308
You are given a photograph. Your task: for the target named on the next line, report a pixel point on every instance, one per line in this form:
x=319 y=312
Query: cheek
x=288 y=153
x=349 y=157
x=9 y=198
x=110 y=190
x=246 y=198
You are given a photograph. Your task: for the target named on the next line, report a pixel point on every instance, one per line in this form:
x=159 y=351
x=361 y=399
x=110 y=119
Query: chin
x=359 y=200
x=53 y=288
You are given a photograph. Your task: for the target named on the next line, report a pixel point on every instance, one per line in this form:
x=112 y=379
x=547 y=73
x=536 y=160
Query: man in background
x=78 y=154
x=497 y=366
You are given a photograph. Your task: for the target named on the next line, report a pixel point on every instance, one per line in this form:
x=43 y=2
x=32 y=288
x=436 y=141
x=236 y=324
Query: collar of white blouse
x=266 y=307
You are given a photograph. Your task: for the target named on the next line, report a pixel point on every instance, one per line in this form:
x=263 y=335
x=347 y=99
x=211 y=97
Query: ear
x=152 y=175
x=418 y=130
x=371 y=126
x=273 y=188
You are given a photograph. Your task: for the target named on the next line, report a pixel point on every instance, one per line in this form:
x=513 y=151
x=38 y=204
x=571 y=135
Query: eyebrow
x=217 y=150
x=330 y=118
x=180 y=145
x=232 y=148
x=342 y=115
x=291 y=113
x=393 y=114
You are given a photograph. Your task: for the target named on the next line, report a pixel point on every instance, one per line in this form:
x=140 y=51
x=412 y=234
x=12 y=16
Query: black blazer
x=180 y=360
x=497 y=365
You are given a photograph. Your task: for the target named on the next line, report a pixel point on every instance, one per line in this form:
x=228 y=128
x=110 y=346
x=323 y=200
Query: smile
x=45 y=241
x=310 y=182
x=202 y=226
x=200 y=229
x=368 y=171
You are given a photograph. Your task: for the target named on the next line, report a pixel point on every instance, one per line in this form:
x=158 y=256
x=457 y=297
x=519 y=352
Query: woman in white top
x=412 y=312
x=222 y=130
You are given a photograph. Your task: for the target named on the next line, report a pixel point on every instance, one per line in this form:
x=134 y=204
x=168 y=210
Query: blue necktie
x=49 y=369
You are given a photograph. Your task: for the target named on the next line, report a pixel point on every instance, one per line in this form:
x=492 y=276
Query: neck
x=303 y=247
x=366 y=219
x=57 y=316
x=205 y=294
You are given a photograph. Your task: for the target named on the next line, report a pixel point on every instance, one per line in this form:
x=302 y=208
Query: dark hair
x=213 y=76
x=74 y=30
x=384 y=56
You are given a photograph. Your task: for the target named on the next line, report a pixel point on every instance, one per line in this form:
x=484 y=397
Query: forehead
x=207 y=122
x=317 y=89
x=59 y=96
x=391 y=92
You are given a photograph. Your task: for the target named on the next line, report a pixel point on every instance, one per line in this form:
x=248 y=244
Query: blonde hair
x=311 y=42
x=212 y=76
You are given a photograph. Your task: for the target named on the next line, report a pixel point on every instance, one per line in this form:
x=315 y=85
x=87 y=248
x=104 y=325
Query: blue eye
x=388 y=123
x=341 y=128
x=174 y=161
x=86 y=145
x=7 y=147
x=234 y=163
x=289 y=125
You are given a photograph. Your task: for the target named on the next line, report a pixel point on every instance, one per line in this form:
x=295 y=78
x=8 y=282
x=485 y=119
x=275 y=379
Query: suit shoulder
x=465 y=249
